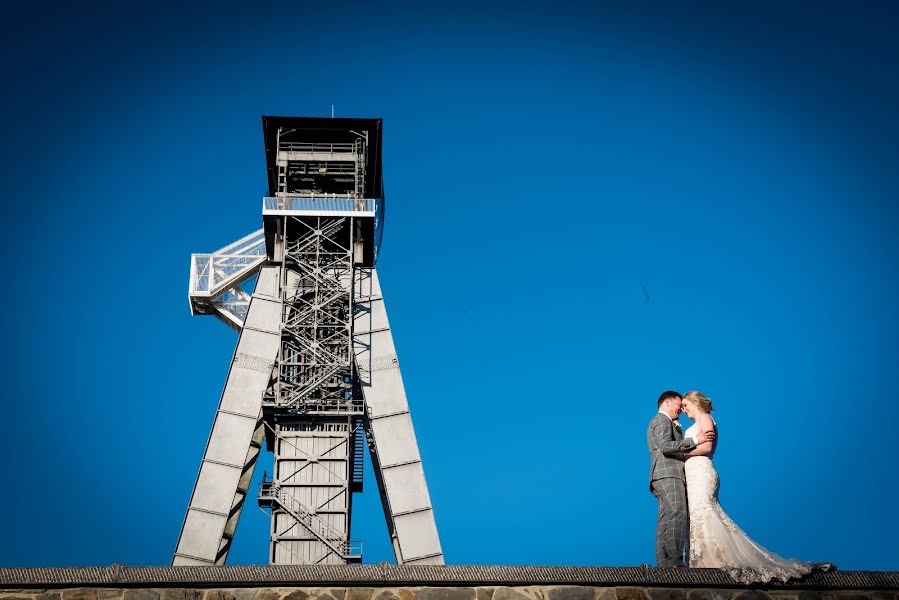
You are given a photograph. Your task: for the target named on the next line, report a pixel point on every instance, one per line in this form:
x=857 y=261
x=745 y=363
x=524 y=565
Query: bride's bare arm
x=707 y=427
x=660 y=430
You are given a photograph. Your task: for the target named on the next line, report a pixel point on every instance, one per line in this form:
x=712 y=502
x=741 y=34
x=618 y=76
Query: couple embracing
x=693 y=530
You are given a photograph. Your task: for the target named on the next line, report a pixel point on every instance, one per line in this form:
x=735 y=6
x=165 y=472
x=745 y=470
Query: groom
x=667 y=447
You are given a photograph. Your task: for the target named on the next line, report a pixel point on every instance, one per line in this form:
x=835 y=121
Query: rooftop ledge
x=387 y=575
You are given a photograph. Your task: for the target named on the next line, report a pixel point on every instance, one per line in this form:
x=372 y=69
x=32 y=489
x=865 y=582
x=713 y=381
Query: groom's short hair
x=668 y=395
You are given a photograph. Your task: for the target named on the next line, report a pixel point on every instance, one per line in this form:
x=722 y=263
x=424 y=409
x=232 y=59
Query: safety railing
x=310 y=203
x=295 y=394
x=317 y=147
x=336 y=407
x=212 y=273
x=326 y=533
x=235 y=302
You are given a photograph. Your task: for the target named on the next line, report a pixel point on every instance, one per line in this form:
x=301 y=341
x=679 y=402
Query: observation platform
x=320 y=206
x=368 y=213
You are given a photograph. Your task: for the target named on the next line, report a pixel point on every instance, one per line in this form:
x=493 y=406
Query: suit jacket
x=664 y=441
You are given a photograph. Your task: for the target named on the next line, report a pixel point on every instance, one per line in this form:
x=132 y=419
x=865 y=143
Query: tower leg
x=233 y=446
x=394 y=449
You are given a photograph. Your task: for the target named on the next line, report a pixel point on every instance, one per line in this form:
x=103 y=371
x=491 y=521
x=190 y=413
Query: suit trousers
x=673 y=530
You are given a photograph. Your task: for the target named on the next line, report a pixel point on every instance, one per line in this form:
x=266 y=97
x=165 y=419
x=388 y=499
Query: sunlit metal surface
x=215 y=279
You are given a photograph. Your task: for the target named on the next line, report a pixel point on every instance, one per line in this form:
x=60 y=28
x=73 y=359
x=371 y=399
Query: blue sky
x=588 y=204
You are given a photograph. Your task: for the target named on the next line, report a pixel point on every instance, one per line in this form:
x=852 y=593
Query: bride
x=715 y=540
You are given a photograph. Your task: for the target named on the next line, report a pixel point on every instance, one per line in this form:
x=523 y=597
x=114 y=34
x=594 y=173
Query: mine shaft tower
x=315 y=374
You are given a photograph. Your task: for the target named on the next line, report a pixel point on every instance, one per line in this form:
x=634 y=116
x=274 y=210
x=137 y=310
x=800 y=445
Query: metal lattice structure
x=215 y=279
x=315 y=374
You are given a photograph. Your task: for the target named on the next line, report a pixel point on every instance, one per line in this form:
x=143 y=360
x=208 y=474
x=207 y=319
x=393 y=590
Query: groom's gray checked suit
x=666 y=482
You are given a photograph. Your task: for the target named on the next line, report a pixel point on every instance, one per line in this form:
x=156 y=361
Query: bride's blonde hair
x=700 y=400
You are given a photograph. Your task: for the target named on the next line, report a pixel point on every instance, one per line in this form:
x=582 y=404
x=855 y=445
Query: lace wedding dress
x=716 y=541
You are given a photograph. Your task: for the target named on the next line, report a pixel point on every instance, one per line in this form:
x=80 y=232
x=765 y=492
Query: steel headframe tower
x=315 y=371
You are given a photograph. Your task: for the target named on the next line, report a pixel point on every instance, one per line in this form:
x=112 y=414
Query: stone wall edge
x=386 y=575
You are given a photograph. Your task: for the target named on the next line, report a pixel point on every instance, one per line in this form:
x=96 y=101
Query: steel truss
x=314 y=412
x=316 y=342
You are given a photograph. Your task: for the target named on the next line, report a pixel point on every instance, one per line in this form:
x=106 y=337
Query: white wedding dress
x=716 y=541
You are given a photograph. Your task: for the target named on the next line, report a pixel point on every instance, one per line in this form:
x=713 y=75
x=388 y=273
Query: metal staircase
x=357 y=441
x=271 y=493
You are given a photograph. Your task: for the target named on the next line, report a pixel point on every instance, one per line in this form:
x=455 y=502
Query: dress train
x=716 y=541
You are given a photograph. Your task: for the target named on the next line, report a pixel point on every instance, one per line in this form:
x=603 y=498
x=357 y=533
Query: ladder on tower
x=359 y=151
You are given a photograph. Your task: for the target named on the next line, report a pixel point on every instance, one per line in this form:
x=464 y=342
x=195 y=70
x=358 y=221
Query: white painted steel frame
x=215 y=279
x=313 y=337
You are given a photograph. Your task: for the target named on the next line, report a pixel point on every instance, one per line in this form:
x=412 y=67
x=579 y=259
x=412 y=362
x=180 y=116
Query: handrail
x=354 y=407
x=211 y=274
x=333 y=203
x=330 y=148
x=326 y=533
